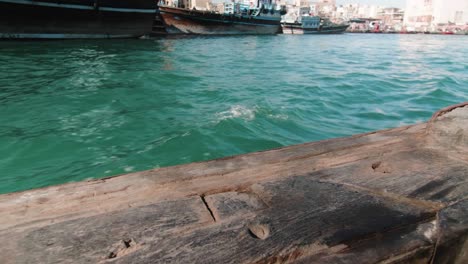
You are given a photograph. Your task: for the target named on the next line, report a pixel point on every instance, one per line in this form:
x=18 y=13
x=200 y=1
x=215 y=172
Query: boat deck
x=397 y=195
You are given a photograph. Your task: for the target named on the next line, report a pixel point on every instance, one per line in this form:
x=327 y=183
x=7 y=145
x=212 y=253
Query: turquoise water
x=72 y=110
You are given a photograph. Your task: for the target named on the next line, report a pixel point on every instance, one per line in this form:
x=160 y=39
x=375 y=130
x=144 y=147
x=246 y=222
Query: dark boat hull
x=183 y=21
x=74 y=19
x=294 y=28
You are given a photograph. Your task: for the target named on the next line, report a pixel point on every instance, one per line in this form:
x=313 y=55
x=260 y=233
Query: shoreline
x=410 y=33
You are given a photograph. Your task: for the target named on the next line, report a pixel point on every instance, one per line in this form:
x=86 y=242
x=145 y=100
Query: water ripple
x=79 y=109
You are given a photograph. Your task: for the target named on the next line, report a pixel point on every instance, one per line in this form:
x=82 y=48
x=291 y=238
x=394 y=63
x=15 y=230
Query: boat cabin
x=311 y=21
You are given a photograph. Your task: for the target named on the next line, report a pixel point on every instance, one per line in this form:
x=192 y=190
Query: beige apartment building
x=428 y=14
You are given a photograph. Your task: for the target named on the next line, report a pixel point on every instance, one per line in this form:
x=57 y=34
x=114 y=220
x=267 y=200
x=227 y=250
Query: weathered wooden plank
x=113 y=193
x=105 y=236
x=407 y=173
x=304 y=217
x=392 y=196
x=452 y=243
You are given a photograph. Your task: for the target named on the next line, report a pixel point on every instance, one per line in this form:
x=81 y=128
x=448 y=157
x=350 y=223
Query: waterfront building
x=366 y=18
x=363 y=11
x=344 y=12
x=302 y=3
x=424 y=15
x=418 y=15
x=352 y=11
x=450 y=11
x=391 y=18
x=323 y=8
x=373 y=11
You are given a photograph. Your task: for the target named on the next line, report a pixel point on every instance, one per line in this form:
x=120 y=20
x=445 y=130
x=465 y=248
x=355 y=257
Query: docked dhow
x=75 y=19
x=233 y=19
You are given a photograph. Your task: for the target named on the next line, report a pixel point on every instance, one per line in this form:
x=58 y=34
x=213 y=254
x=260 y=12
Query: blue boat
x=312 y=25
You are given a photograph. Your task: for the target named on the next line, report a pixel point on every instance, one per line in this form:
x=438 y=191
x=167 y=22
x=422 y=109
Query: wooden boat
x=312 y=25
x=391 y=196
x=73 y=19
x=241 y=20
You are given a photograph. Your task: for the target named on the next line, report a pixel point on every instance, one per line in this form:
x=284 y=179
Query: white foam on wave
x=379 y=111
x=129 y=168
x=278 y=116
x=237 y=111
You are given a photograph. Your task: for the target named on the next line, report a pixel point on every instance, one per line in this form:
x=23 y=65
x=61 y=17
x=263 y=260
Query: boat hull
x=297 y=29
x=74 y=19
x=183 y=21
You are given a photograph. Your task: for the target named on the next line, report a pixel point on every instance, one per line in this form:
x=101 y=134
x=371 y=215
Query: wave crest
x=237 y=111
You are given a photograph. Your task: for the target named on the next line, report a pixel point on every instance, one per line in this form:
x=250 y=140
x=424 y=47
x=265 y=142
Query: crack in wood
x=436 y=245
x=208 y=207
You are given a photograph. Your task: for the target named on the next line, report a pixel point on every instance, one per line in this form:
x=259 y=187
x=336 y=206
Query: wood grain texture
x=392 y=196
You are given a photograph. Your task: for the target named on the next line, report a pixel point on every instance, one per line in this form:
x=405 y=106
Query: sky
x=387 y=3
